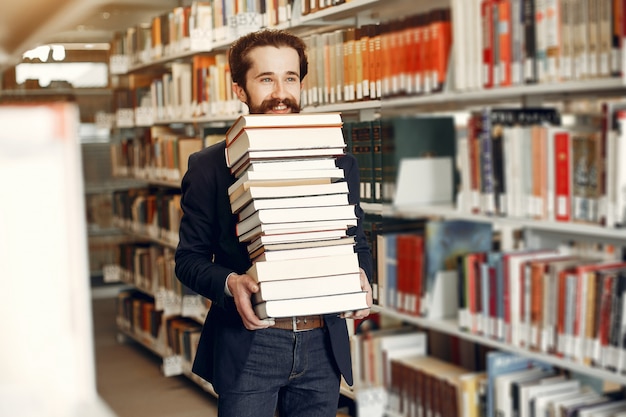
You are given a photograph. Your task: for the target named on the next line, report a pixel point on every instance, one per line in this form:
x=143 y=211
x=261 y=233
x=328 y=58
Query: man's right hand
x=242 y=287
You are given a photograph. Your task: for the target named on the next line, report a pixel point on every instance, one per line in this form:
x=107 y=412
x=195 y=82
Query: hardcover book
x=252 y=121
x=327 y=304
x=283 y=138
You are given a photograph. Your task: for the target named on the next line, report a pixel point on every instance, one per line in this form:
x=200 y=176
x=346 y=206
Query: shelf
x=450 y=327
x=605 y=86
x=56 y=91
x=449 y=212
x=117 y=185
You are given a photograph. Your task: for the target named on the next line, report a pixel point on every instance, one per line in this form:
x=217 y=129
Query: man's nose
x=279 y=90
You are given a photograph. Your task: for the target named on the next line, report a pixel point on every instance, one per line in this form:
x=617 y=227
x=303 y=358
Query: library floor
x=129 y=377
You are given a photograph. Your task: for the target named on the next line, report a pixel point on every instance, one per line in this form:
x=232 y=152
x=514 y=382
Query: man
x=257 y=366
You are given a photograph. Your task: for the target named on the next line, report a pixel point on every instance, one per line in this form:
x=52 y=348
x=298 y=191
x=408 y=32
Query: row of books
x=410 y=262
x=136 y=314
x=370 y=62
x=363 y=63
x=160 y=153
x=153 y=213
x=199 y=25
x=195 y=26
x=199 y=87
x=540 y=164
x=174 y=338
x=149 y=268
x=417 y=382
x=303 y=259
x=553 y=301
x=381 y=144
x=514 y=42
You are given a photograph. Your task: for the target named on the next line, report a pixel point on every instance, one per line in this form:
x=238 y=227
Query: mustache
x=268 y=105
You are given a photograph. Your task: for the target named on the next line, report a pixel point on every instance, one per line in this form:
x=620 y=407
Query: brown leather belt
x=298 y=323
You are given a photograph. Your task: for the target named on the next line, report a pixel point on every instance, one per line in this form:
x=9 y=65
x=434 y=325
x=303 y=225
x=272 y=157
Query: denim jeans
x=294 y=373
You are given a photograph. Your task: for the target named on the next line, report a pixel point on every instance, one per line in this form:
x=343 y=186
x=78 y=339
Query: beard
x=267 y=105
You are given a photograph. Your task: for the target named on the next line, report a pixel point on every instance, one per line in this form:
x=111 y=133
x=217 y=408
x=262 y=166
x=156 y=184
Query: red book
x=473 y=262
x=562 y=176
x=504 y=36
x=487 y=32
x=441 y=43
x=410 y=267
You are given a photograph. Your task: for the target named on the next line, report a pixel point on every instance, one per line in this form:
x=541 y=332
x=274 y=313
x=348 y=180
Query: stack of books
x=294 y=212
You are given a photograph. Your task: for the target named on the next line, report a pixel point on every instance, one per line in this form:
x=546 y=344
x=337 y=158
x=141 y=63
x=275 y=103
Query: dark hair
x=240 y=49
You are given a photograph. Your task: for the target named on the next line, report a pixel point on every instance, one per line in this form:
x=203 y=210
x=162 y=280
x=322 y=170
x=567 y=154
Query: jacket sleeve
x=362 y=248
x=206 y=218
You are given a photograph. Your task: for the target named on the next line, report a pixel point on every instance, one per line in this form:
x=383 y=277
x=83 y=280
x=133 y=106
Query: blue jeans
x=294 y=373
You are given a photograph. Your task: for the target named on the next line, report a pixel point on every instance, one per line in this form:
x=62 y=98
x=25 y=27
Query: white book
x=515 y=260
x=503 y=405
x=395 y=346
x=298 y=227
x=301 y=240
x=304 y=268
x=301 y=215
x=328 y=304
x=603 y=409
x=281 y=176
x=308 y=287
x=260 y=192
x=542 y=401
x=293 y=202
x=549 y=385
x=283 y=138
x=252 y=121
x=295 y=164
x=312 y=252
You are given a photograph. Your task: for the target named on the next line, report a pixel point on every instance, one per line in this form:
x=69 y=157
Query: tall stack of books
x=294 y=213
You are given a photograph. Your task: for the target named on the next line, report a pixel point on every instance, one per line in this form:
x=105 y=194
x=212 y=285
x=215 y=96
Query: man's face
x=273 y=81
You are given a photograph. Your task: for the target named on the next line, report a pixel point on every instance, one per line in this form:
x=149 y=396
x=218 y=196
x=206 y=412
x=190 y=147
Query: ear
x=238 y=91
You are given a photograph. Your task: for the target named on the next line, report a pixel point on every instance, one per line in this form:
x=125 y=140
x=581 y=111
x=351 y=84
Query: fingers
x=242 y=287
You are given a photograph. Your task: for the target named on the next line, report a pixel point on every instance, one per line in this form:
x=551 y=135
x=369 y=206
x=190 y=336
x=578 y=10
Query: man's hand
x=365 y=286
x=242 y=287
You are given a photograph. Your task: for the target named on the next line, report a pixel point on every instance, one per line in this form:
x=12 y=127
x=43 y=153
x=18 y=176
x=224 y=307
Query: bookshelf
x=458 y=96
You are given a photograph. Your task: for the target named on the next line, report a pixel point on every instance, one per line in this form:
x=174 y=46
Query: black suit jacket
x=209 y=250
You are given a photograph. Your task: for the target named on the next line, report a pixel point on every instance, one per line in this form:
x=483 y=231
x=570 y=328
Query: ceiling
x=25 y=24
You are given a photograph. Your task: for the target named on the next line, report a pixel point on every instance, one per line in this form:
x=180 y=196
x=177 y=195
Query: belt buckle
x=294 y=324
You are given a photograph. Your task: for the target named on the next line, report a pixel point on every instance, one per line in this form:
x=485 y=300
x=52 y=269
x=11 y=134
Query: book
x=260 y=192
x=284 y=138
x=308 y=287
x=284 y=176
x=262 y=254
x=252 y=121
x=292 y=202
x=303 y=268
x=298 y=164
x=503 y=393
x=501 y=363
x=297 y=227
x=301 y=240
x=283 y=154
x=337 y=303
x=296 y=214
x=242 y=187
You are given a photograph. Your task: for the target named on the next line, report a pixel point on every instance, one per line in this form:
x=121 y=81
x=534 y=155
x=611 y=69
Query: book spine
x=562 y=179
x=530 y=48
